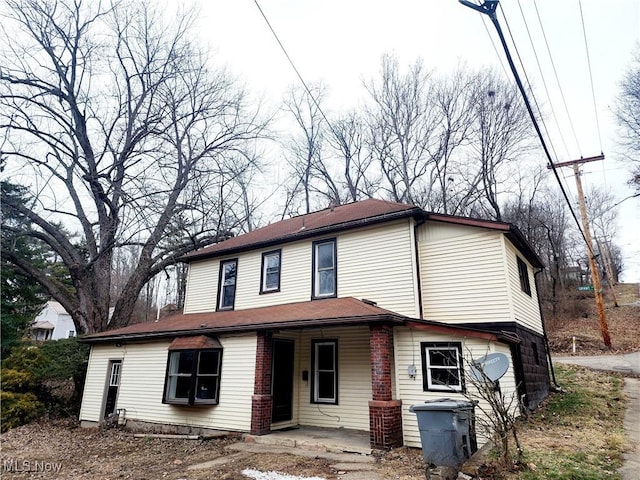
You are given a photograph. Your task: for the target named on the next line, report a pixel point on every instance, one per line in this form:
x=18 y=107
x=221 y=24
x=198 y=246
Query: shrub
x=18 y=409
x=18 y=381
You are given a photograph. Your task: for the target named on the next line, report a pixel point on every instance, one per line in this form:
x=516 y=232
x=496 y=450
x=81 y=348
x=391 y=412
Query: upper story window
x=270 y=277
x=324 y=281
x=523 y=273
x=442 y=366
x=227 y=283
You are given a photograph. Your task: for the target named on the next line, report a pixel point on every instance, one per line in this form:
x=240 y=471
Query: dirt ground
x=578 y=317
x=62 y=450
x=67 y=451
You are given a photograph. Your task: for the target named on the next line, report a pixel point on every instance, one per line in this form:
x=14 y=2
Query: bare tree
x=402 y=123
x=128 y=137
x=627 y=111
x=311 y=172
x=503 y=133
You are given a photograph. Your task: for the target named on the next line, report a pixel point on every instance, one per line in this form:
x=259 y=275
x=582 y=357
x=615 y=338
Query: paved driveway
x=625 y=364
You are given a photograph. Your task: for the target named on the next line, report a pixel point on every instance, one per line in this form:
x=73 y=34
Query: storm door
x=113 y=382
x=282 y=380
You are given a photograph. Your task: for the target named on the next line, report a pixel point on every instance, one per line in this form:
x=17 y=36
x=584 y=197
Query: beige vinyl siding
x=354 y=380
x=202 y=281
x=143 y=378
x=378 y=264
x=95 y=382
x=407 y=352
x=525 y=307
x=463 y=275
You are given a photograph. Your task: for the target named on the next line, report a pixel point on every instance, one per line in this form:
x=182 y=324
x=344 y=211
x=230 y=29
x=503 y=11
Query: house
x=52 y=323
x=340 y=318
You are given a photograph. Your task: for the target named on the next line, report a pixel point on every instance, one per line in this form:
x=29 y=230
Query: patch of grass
x=577 y=435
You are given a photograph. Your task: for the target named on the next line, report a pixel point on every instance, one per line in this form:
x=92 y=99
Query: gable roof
x=330 y=312
x=342 y=217
x=352 y=215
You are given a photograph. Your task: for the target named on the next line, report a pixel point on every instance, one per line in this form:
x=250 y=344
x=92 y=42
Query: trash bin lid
x=442 y=404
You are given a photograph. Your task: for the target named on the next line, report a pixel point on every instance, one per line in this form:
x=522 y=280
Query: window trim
x=192 y=400
x=314 y=373
x=263 y=271
x=219 y=306
x=427 y=383
x=314 y=271
x=523 y=274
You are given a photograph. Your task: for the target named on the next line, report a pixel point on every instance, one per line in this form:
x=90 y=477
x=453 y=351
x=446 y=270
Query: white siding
x=525 y=307
x=463 y=275
x=407 y=352
x=142 y=383
x=96 y=381
x=354 y=380
x=376 y=263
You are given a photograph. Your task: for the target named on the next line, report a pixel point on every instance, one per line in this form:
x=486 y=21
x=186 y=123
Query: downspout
x=418 y=224
x=544 y=330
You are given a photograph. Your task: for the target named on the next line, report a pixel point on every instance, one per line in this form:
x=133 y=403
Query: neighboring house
x=52 y=323
x=339 y=318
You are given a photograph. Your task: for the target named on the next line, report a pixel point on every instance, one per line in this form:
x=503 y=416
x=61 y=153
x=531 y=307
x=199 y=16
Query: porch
x=331 y=440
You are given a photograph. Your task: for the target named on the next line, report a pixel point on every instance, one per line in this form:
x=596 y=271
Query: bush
x=18 y=381
x=18 y=409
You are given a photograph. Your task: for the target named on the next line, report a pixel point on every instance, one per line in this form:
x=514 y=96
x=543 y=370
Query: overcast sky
x=340 y=42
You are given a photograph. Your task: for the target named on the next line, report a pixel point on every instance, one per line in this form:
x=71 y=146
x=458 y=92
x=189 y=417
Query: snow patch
x=258 y=475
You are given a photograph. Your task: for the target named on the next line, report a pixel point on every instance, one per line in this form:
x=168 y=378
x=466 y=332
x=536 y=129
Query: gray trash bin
x=447 y=431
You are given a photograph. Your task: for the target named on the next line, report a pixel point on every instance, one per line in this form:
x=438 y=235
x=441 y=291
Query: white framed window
x=324 y=368
x=114 y=376
x=72 y=333
x=270 y=276
x=227 y=284
x=193 y=377
x=324 y=269
x=442 y=366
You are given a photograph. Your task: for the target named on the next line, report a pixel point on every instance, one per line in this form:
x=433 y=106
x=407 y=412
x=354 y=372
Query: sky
x=340 y=42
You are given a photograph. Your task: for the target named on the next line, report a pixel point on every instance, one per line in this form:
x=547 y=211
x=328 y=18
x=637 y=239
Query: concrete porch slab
x=332 y=440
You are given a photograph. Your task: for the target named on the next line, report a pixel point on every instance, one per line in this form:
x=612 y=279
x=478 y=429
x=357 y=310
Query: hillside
x=578 y=317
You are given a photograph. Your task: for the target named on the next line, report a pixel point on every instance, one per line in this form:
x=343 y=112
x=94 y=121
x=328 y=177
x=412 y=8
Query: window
x=442 y=366
x=193 y=377
x=523 y=272
x=270 y=277
x=324 y=368
x=227 y=282
x=324 y=269
x=114 y=378
x=72 y=333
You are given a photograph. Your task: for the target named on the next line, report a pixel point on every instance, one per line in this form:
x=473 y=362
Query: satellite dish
x=492 y=366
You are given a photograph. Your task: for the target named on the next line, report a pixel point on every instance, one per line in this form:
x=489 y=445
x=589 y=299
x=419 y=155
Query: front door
x=113 y=383
x=282 y=378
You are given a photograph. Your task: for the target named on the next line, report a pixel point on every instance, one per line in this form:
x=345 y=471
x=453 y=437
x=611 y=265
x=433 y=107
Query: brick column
x=385 y=414
x=261 y=401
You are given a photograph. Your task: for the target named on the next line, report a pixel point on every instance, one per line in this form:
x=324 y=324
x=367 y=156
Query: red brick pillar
x=385 y=414
x=261 y=401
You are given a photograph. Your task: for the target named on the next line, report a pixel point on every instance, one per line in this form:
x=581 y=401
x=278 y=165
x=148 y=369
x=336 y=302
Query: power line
x=488 y=8
x=306 y=87
x=544 y=83
x=555 y=71
x=593 y=93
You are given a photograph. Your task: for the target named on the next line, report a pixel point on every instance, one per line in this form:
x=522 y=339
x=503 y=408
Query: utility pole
x=606 y=260
x=595 y=277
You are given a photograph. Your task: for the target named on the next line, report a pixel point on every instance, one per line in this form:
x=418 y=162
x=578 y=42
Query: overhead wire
x=555 y=72
x=295 y=69
x=495 y=49
x=544 y=83
x=488 y=8
x=593 y=93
